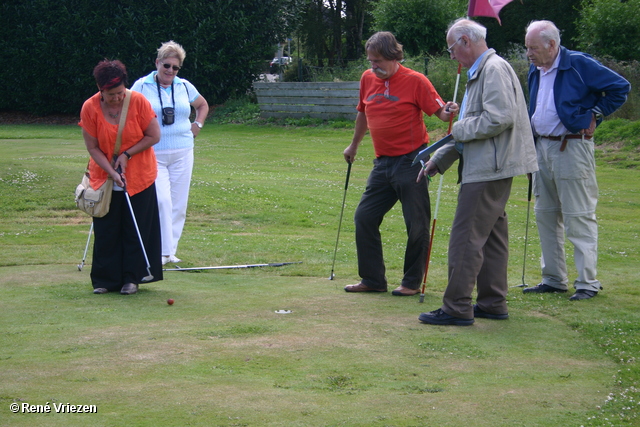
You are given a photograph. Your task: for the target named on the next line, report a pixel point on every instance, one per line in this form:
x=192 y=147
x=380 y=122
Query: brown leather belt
x=564 y=139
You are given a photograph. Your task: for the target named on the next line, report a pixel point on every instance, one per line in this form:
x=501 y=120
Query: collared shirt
x=545 y=120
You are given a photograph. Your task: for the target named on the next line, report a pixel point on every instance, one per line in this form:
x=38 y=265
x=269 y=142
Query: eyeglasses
x=450 y=48
x=167 y=66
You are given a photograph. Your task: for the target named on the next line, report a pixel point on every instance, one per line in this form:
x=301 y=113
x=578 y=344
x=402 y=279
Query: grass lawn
x=222 y=355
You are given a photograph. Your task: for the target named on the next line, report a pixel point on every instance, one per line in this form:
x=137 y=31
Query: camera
x=168 y=115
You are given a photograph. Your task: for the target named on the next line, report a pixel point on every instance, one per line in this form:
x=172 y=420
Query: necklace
x=113 y=116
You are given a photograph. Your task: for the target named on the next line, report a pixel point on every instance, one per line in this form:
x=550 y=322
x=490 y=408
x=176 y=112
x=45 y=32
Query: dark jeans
x=393 y=179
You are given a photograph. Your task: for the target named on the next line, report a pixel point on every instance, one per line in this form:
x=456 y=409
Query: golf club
x=135 y=223
x=272 y=264
x=526 y=235
x=84 y=257
x=433 y=232
x=435 y=215
x=344 y=198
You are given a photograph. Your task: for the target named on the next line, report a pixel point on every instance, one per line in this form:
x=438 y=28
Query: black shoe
x=439 y=317
x=100 y=290
x=583 y=294
x=129 y=289
x=477 y=312
x=543 y=289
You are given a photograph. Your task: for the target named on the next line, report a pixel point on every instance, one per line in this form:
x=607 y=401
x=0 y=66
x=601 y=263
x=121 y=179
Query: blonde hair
x=171 y=49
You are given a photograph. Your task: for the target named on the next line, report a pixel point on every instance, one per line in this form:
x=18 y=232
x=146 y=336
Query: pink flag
x=489 y=8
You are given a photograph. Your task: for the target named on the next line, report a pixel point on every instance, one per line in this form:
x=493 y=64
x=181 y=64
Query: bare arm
x=358 y=134
x=202 y=111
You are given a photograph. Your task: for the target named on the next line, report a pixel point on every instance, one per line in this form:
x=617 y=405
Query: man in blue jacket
x=569 y=94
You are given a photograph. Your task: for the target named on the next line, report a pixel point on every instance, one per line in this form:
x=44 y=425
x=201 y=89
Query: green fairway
x=223 y=355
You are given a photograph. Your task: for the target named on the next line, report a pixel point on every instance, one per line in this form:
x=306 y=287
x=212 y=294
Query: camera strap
x=160 y=95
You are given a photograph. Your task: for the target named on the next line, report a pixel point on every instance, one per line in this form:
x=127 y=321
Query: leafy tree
x=49 y=48
x=420 y=25
x=331 y=31
x=610 y=28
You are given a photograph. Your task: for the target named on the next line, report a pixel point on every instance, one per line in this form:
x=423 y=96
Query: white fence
x=323 y=100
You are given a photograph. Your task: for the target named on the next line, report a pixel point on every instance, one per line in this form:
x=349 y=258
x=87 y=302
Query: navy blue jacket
x=583 y=87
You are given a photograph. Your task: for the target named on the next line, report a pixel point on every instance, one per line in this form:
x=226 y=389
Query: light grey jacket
x=495 y=129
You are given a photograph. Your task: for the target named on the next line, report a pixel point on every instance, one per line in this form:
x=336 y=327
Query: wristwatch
x=197 y=123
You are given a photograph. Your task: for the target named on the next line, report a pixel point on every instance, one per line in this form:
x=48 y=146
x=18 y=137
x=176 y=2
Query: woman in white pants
x=172 y=98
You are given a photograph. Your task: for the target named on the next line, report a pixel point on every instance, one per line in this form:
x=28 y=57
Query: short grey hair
x=548 y=31
x=171 y=49
x=466 y=27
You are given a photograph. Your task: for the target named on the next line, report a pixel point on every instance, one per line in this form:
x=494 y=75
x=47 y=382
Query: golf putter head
x=332 y=276
x=147 y=278
x=421 y=297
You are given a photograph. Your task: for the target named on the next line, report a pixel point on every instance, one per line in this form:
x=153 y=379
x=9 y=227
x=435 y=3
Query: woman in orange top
x=118 y=261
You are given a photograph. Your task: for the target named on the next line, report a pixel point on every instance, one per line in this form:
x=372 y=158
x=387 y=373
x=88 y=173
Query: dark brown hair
x=110 y=74
x=385 y=44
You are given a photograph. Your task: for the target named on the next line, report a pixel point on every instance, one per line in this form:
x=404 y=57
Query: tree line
x=49 y=48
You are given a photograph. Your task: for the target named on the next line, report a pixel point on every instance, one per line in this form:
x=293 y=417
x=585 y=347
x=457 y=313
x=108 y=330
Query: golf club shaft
x=526 y=232
x=222 y=267
x=455 y=91
x=435 y=215
x=433 y=233
x=86 y=248
x=135 y=223
x=344 y=198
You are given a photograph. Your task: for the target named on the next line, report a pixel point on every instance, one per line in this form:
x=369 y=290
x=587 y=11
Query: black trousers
x=393 y=179
x=117 y=254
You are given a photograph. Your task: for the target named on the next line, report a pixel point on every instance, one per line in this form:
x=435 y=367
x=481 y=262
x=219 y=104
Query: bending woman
x=118 y=263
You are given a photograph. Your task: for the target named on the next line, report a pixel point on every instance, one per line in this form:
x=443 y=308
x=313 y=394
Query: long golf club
x=344 y=198
x=435 y=215
x=222 y=267
x=526 y=234
x=86 y=248
x=135 y=223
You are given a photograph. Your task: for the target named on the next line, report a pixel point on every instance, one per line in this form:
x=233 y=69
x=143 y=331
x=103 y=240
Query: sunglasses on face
x=167 y=66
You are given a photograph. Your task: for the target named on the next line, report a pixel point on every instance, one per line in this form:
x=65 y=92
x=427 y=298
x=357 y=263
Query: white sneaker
x=166 y=259
x=174 y=259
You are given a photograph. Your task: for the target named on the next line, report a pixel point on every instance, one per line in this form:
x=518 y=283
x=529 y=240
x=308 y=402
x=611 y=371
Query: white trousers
x=172 y=186
x=566 y=192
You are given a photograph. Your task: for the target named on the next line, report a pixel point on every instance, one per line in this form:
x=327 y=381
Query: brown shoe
x=361 y=288
x=401 y=291
x=129 y=289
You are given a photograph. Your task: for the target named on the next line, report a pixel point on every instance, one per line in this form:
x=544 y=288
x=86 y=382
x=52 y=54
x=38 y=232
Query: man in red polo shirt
x=393 y=99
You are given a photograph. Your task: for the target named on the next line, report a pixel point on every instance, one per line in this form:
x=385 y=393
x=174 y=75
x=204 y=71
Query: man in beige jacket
x=494 y=143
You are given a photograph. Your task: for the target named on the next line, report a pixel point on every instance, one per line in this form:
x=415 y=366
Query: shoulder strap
x=123 y=120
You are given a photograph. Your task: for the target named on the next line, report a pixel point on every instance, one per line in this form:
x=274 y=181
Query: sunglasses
x=167 y=66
